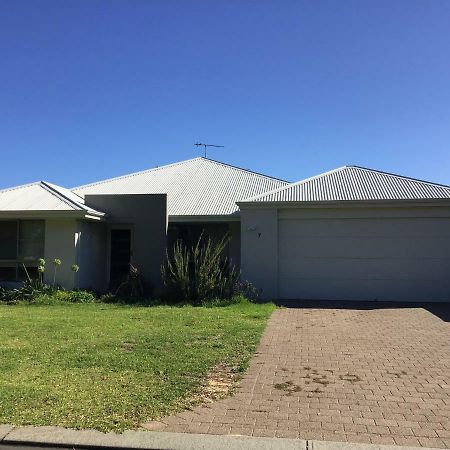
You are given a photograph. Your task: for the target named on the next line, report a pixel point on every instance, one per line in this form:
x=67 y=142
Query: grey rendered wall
x=259 y=249
x=147 y=214
x=61 y=239
x=92 y=255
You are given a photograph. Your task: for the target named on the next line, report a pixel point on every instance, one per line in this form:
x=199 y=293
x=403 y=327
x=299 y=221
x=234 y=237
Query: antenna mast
x=199 y=144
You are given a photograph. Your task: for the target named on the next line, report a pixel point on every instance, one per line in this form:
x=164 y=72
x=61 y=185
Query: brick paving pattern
x=377 y=376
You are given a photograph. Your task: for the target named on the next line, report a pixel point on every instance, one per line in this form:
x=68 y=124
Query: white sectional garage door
x=366 y=258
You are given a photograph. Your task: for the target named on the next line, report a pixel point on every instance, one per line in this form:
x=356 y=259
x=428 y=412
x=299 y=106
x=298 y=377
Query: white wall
x=61 y=236
x=259 y=249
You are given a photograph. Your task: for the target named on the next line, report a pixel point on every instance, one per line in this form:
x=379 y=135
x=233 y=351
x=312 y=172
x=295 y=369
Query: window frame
x=16 y=263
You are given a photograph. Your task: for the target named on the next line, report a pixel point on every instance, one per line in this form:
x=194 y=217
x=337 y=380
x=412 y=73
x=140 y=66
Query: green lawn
x=113 y=367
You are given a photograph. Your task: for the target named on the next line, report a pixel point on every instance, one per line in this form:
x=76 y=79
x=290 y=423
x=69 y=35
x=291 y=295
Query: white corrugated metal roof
x=42 y=196
x=353 y=183
x=195 y=187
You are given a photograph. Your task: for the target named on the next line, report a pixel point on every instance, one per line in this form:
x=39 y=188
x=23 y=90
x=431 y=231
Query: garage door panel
x=387 y=290
x=364 y=269
x=364 y=259
x=365 y=228
x=360 y=247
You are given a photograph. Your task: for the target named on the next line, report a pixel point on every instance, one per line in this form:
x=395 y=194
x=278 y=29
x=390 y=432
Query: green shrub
x=80 y=297
x=236 y=299
x=200 y=273
x=47 y=296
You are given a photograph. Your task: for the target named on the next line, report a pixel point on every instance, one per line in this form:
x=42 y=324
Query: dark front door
x=120 y=256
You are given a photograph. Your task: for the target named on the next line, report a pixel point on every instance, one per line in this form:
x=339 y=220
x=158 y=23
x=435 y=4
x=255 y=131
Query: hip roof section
x=353 y=183
x=43 y=196
x=196 y=187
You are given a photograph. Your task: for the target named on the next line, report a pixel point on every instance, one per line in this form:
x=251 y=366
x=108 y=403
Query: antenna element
x=199 y=144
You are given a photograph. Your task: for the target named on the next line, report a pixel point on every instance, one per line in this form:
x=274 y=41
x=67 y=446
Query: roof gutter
x=345 y=203
x=50 y=215
x=235 y=217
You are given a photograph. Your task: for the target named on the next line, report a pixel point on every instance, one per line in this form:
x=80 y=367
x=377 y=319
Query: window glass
x=8 y=240
x=8 y=273
x=31 y=240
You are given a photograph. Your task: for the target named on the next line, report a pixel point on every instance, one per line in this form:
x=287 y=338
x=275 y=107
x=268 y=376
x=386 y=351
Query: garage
x=350 y=234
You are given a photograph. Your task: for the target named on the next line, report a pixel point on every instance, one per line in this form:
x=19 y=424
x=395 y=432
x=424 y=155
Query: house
x=348 y=234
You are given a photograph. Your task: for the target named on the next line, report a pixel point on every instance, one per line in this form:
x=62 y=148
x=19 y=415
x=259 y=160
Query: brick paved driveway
x=358 y=375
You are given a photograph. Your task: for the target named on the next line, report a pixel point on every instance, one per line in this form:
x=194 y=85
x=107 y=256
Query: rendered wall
x=146 y=214
x=61 y=238
x=259 y=249
x=361 y=253
x=92 y=255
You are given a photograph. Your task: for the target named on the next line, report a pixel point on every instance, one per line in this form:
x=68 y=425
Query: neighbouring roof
x=353 y=183
x=41 y=197
x=196 y=187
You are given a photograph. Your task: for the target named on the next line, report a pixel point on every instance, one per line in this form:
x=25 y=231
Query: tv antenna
x=199 y=144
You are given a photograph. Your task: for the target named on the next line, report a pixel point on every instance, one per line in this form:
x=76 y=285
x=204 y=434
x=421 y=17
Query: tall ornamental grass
x=199 y=273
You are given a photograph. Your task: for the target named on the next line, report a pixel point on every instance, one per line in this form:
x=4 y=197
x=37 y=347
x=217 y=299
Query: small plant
x=75 y=268
x=244 y=288
x=41 y=270
x=132 y=288
x=35 y=290
x=56 y=264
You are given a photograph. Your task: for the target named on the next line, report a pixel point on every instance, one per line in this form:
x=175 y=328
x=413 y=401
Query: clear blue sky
x=93 y=89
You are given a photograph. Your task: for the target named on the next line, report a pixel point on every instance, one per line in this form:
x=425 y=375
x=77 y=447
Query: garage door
x=404 y=259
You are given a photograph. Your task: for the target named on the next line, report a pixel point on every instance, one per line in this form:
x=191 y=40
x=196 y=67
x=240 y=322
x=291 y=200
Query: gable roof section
x=43 y=197
x=353 y=183
x=196 y=187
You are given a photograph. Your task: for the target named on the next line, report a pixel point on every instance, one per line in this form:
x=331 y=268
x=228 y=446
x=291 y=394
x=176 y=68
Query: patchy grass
x=112 y=367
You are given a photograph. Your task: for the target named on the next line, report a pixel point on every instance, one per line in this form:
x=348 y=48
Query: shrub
x=80 y=296
x=199 y=273
x=132 y=288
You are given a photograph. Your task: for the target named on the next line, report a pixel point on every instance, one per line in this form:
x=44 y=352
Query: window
x=21 y=243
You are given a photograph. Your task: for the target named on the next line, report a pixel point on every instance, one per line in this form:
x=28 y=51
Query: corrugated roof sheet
x=42 y=196
x=195 y=187
x=352 y=183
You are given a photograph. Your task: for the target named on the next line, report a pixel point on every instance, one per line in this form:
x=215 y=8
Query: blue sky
x=93 y=89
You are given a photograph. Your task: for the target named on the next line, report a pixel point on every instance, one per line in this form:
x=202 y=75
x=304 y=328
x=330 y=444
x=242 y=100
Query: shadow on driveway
x=441 y=310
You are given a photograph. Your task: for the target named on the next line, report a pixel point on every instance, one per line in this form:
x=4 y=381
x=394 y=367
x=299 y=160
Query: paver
x=378 y=375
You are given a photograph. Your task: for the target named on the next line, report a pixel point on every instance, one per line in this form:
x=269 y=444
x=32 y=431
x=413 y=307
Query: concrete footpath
x=29 y=437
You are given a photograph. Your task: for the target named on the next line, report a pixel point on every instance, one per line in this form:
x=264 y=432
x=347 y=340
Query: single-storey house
x=348 y=234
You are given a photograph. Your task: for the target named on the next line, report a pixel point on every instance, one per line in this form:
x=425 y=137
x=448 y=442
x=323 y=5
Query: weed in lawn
x=322 y=380
x=350 y=378
x=283 y=386
x=288 y=386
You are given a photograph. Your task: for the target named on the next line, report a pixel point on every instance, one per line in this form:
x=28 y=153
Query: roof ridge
x=65 y=189
x=52 y=190
x=198 y=158
x=132 y=174
x=296 y=183
x=243 y=170
x=12 y=188
x=396 y=175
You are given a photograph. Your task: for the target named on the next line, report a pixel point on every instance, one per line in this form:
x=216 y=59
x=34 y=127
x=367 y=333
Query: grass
x=110 y=367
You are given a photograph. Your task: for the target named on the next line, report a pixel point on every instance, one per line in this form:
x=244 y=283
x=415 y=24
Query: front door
x=120 y=256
